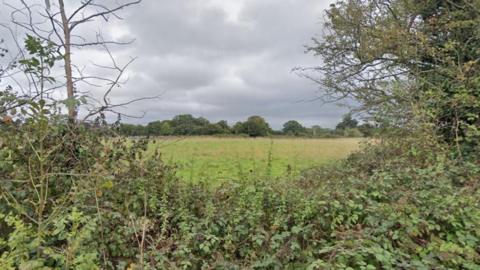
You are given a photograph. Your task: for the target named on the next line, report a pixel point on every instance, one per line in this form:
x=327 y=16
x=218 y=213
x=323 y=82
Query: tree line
x=254 y=126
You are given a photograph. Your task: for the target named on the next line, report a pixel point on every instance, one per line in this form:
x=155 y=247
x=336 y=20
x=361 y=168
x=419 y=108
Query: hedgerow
x=75 y=199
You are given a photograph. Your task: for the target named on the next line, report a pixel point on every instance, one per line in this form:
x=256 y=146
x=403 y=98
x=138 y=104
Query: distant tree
x=183 y=124
x=318 y=131
x=165 y=128
x=202 y=126
x=159 y=128
x=255 y=126
x=127 y=129
x=277 y=132
x=293 y=127
x=224 y=126
x=153 y=128
x=201 y=121
x=211 y=129
x=132 y=130
x=237 y=128
x=347 y=122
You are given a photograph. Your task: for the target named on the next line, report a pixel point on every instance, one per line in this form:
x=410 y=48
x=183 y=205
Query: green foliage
x=188 y=125
x=352 y=133
x=180 y=125
x=347 y=122
x=398 y=57
x=367 y=129
x=223 y=125
x=78 y=250
x=37 y=65
x=132 y=130
x=185 y=124
x=65 y=194
x=319 y=132
x=43 y=57
x=293 y=127
x=73 y=199
x=162 y=128
x=255 y=126
x=381 y=209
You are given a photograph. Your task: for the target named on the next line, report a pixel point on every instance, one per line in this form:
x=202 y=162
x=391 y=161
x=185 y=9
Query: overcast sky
x=221 y=59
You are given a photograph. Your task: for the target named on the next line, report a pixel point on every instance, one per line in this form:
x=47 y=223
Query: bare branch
x=51 y=24
x=74 y=24
x=83 y=6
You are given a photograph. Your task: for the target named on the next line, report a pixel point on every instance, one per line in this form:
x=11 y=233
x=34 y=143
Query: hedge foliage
x=72 y=199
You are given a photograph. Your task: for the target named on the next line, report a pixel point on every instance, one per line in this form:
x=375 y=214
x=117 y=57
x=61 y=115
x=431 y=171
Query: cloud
x=220 y=59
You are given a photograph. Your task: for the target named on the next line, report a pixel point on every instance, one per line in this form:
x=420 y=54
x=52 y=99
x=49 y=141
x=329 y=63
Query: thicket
x=73 y=198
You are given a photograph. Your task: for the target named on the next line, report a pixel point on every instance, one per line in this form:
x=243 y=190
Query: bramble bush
x=73 y=197
x=65 y=192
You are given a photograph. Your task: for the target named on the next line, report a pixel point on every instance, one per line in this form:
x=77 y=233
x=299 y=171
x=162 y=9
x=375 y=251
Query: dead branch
x=52 y=23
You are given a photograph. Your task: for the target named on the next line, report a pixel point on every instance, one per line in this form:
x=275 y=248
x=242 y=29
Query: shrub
x=72 y=198
x=69 y=194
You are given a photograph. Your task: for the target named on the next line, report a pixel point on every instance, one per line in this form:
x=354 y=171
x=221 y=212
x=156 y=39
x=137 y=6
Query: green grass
x=220 y=159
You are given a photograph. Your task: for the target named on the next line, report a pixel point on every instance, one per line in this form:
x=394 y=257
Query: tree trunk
x=72 y=110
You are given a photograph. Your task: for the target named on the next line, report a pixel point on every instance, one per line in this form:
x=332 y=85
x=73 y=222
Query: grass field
x=220 y=159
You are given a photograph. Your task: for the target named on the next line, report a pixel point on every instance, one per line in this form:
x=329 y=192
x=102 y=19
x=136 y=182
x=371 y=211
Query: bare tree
x=59 y=24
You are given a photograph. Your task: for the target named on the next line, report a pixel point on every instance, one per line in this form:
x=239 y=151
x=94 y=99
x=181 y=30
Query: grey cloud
x=212 y=67
x=205 y=63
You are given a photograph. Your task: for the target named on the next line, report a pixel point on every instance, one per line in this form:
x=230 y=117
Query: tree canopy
x=293 y=127
x=347 y=122
x=395 y=57
x=254 y=126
